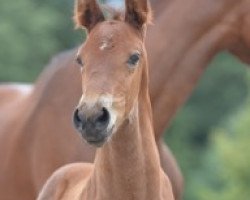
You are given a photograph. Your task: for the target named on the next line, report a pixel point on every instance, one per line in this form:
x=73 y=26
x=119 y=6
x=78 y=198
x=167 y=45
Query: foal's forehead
x=109 y=34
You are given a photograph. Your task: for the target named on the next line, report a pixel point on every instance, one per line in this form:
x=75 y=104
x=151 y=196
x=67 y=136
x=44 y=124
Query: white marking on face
x=104 y=45
x=107 y=102
x=88 y=103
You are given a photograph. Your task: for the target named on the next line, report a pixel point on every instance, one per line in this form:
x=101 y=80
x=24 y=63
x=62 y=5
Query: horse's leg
x=171 y=168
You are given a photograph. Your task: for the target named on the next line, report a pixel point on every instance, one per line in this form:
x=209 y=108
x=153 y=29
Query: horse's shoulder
x=66 y=181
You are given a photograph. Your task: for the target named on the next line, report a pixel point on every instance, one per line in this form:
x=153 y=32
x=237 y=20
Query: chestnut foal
x=114 y=113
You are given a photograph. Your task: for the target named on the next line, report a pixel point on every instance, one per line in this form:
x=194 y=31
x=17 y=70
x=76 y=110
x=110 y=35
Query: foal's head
x=111 y=62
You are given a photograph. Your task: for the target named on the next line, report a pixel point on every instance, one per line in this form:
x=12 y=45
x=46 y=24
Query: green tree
x=30 y=33
x=228 y=159
x=220 y=92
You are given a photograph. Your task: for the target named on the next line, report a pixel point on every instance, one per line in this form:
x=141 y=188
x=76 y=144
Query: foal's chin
x=100 y=139
x=97 y=143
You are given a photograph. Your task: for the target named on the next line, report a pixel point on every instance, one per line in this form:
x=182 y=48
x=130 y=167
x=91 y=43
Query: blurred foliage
x=31 y=31
x=228 y=159
x=222 y=89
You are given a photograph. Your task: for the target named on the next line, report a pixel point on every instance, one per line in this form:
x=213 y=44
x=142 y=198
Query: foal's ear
x=138 y=13
x=87 y=14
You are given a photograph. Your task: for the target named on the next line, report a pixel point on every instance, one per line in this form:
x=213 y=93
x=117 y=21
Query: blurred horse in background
x=11 y=97
x=186 y=35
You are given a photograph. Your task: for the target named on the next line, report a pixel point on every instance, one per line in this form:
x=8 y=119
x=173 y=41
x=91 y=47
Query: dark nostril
x=103 y=118
x=79 y=119
x=76 y=117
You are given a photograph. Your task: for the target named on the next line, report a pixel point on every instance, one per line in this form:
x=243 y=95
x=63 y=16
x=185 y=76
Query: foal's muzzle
x=93 y=127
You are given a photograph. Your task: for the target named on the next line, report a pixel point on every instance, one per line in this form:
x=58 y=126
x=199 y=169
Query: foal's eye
x=79 y=61
x=134 y=59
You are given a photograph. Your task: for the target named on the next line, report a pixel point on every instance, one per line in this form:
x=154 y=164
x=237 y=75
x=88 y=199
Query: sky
x=116 y=3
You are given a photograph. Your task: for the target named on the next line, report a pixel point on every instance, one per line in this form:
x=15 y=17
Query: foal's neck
x=128 y=167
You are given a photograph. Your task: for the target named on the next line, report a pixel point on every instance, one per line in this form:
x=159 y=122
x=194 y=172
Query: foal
x=114 y=113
